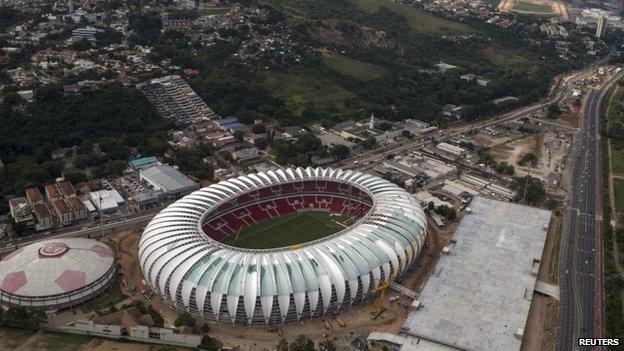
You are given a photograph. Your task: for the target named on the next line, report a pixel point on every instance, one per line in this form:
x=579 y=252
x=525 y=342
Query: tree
x=282 y=345
x=186 y=319
x=446 y=212
x=369 y=143
x=75 y=177
x=385 y=126
x=535 y=191
x=339 y=151
x=553 y=111
x=258 y=128
x=528 y=158
x=302 y=343
x=210 y=344
x=327 y=345
x=239 y=135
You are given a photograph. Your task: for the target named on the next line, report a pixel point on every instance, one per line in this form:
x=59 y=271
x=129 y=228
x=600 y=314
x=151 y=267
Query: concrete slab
x=483 y=291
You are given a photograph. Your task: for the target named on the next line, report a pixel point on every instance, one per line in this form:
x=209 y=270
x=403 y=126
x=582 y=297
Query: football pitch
x=288 y=230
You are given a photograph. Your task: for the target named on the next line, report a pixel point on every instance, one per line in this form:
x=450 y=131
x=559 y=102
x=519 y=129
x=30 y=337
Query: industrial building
x=479 y=296
x=106 y=201
x=168 y=180
x=56 y=274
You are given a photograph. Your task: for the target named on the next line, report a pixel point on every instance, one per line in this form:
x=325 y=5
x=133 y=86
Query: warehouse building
x=480 y=294
x=169 y=180
x=106 y=201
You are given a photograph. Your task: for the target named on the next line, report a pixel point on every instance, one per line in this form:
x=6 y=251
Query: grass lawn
x=63 y=342
x=619 y=194
x=417 y=19
x=355 y=68
x=108 y=298
x=300 y=92
x=617 y=158
x=288 y=230
x=11 y=338
x=532 y=7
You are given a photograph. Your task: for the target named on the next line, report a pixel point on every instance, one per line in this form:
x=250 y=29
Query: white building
x=168 y=180
x=106 y=201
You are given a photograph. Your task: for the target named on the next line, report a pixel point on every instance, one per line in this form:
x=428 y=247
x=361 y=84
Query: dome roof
x=198 y=273
x=54 y=267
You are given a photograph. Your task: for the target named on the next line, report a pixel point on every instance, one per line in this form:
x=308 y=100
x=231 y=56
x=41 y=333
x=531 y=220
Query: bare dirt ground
x=541 y=327
x=550 y=149
x=487 y=140
x=541 y=323
x=127 y=245
x=550 y=257
x=572 y=118
x=27 y=340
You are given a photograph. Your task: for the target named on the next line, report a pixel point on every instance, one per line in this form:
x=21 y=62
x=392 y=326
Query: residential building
x=63 y=212
x=78 y=208
x=43 y=216
x=66 y=189
x=33 y=195
x=21 y=211
x=52 y=192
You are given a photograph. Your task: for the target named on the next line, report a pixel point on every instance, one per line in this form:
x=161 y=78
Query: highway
x=581 y=280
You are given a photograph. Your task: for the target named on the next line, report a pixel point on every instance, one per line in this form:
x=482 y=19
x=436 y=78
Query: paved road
x=125 y=223
x=581 y=307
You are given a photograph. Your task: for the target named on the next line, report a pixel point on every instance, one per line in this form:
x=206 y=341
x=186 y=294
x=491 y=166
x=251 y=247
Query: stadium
x=56 y=274
x=278 y=246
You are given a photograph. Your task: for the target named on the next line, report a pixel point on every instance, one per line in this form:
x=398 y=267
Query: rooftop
x=33 y=194
x=54 y=266
x=480 y=293
x=168 y=178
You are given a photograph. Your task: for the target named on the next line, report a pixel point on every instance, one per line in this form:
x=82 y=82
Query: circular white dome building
x=55 y=274
x=184 y=259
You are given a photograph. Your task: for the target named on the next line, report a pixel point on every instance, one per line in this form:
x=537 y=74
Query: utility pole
x=526 y=185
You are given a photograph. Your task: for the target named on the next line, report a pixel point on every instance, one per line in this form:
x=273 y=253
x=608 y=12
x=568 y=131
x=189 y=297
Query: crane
x=378 y=307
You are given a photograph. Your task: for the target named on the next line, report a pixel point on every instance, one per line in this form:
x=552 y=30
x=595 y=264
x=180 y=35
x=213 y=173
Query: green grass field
x=417 y=19
x=355 y=68
x=618 y=185
x=301 y=92
x=533 y=8
x=297 y=228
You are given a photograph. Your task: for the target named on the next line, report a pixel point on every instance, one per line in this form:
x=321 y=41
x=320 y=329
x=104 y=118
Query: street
x=581 y=307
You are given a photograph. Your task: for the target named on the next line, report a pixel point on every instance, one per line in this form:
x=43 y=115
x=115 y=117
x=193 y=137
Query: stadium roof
x=182 y=263
x=167 y=179
x=481 y=291
x=52 y=267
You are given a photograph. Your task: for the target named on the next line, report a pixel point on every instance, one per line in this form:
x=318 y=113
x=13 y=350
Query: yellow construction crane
x=380 y=290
